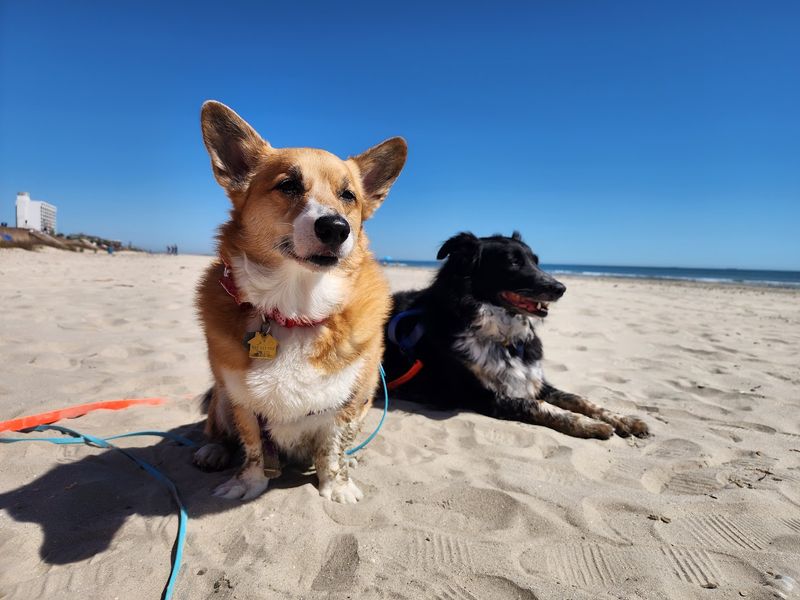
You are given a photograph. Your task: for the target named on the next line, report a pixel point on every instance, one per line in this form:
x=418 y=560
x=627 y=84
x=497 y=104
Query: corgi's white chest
x=289 y=388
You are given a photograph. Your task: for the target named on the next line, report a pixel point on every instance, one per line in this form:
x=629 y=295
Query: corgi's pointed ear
x=464 y=245
x=234 y=147
x=379 y=167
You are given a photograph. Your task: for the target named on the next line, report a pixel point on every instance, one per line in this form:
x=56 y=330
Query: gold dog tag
x=263 y=345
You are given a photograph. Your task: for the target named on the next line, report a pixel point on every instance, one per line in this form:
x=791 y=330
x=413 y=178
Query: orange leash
x=74 y=411
x=407 y=376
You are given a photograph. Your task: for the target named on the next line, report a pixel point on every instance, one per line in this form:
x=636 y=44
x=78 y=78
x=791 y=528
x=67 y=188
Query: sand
x=458 y=506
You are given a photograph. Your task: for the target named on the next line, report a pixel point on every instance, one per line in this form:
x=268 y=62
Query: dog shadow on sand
x=81 y=503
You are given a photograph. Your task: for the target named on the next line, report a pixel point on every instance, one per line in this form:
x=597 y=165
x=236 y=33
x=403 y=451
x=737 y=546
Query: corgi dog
x=294 y=309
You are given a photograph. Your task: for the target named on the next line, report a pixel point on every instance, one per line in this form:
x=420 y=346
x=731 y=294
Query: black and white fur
x=480 y=349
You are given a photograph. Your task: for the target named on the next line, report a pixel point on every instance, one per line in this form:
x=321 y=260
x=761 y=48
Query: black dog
x=473 y=334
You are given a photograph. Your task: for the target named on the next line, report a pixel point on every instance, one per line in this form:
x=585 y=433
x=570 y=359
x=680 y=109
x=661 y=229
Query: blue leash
x=90 y=440
x=383 y=416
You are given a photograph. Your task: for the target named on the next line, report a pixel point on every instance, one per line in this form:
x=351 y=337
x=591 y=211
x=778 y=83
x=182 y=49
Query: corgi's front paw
x=344 y=492
x=245 y=486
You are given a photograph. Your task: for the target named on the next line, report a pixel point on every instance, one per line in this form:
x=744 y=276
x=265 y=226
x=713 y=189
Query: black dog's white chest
x=493 y=349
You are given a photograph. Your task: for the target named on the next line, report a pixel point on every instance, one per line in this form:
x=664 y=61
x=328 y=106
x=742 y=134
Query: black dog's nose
x=332 y=230
x=558 y=289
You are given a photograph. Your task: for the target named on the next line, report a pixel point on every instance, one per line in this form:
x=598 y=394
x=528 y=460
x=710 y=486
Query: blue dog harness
x=407 y=343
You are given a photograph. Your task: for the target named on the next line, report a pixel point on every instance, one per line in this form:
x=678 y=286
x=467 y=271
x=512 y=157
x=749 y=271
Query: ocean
x=790 y=279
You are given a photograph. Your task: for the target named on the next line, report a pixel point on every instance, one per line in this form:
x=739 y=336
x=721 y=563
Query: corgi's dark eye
x=290 y=186
x=347 y=196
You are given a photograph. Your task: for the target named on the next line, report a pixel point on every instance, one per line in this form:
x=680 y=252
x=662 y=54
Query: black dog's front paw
x=592 y=428
x=628 y=425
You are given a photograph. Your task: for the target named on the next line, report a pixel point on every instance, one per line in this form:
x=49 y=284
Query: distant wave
x=766 y=278
x=762 y=282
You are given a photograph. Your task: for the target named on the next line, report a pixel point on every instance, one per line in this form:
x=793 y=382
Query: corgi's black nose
x=332 y=230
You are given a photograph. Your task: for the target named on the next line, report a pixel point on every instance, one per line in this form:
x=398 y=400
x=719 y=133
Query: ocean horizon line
x=760 y=277
x=729 y=275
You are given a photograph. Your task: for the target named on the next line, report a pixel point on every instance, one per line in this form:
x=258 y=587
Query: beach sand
x=458 y=506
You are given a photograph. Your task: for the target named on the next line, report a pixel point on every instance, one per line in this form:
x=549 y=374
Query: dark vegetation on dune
x=14 y=237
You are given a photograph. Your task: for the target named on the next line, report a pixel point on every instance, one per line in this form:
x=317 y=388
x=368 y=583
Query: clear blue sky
x=634 y=133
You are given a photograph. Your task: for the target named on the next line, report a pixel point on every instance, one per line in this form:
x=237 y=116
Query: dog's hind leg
x=216 y=454
x=251 y=480
x=623 y=425
x=541 y=413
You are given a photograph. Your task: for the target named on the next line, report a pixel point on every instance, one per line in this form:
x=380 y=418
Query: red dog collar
x=229 y=285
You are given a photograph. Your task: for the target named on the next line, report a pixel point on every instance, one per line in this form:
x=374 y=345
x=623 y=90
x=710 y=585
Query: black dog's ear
x=516 y=236
x=464 y=243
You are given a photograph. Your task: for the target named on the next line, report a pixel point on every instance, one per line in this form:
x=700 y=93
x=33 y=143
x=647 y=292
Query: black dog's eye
x=516 y=259
x=290 y=186
x=347 y=196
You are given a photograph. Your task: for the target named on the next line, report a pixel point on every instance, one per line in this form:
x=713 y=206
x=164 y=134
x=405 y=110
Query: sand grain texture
x=458 y=506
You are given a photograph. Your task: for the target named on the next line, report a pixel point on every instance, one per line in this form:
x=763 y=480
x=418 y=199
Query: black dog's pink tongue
x=525 y=304
x=520 y=301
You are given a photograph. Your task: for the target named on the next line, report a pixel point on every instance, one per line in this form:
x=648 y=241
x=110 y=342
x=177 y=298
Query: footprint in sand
x=584 y=565
x=696 y=482
x=681 y=469
x=439 y=552
x=745 y=425
x=338 y=573
x=469 y=508
x=525 y=476
x=792 y=523
x=497 y=588
x=610 y=520
x=613 y=378
x=447 y=587
x=557 y=367
x=674 y=448
x=53 y=361
x=596 y=566
x=692 y=565
x=726 y=532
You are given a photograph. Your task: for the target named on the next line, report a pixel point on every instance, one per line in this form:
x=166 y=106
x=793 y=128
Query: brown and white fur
x=312 y=397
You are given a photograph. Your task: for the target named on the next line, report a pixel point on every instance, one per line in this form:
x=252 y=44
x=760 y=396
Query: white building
x=34 y=214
